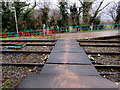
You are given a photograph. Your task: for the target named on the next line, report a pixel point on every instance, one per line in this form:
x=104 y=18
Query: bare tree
x=42 y=14
x=97 y=11
x=117 y=20
x=74 y=15
x=55 y=15
x=112 y=12
x=85 y=9
x=87 y=6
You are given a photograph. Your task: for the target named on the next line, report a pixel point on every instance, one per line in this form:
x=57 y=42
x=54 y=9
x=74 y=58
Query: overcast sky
x=55 y=2
x=70 y=2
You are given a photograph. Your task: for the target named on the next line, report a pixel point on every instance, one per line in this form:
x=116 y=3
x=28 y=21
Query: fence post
x=44 y=29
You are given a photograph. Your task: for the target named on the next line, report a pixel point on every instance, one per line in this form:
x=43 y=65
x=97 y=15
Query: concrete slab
x=88 y=34
x=82 y=70
x=78 y=58
x=64 y=49
x=67 y=80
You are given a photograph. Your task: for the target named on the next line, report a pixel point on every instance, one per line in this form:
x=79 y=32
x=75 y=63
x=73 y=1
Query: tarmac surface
x=88 y=34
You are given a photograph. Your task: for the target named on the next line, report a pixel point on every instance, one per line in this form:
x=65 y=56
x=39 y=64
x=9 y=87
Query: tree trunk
x=86 y=8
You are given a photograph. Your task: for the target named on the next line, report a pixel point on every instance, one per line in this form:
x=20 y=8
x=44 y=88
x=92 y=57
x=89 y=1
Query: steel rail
x=38 y=64
x=98 y=41
x=44 y=52
x=28 y=40
x=102 y=53
x=21 y=64
x=94 y=62
x=107 y=66
x=109 y=73
x=106 y=37
x=100 y=45
x=110 y=53
x=28 y=44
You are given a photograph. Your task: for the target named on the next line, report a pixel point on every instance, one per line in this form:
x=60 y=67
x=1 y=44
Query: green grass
x=6 y=84
x=32 y=37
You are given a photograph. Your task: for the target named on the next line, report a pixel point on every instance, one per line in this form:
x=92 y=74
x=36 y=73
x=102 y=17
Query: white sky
x=55 y=2
x=70 y=2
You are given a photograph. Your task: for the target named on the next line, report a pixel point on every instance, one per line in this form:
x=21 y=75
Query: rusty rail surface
x=44 y=52
x=107 y=66
x=21 y=64
x=38 y=64
x=28 y=44
x=100 y=45
x=48 y=52
x=98 y=41
x=28 y=40
x=104 y=53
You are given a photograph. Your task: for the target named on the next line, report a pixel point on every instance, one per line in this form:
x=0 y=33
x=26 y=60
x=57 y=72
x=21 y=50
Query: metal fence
x=51 y=31
x=87 y=28
x=40 y=33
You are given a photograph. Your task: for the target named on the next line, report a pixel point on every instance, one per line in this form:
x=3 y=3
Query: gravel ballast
x=111 y=74
x=12 y=75
x=24 y=58
x=102 y=49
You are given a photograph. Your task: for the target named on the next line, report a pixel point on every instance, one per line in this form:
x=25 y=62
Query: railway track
x=41 y=65
x=98 y=41
x=97 y=65
x=28 y=44
x=43 y=52
x=24 y=62
x=28 y=40
x=48 y=52
x=104 y=62
x=100 y=45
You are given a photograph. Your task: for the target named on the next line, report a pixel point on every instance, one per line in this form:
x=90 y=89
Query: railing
x=51 y=31
x=41 y=33
x=87 y=28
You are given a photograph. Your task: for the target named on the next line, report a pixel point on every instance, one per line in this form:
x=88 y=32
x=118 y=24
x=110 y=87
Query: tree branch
x=99 y=6
x=81 y=2
x=29 y=10
x=96 y=12
x=104 y=6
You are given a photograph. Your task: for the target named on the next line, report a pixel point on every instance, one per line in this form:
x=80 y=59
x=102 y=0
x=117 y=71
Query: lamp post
x=16 y=23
